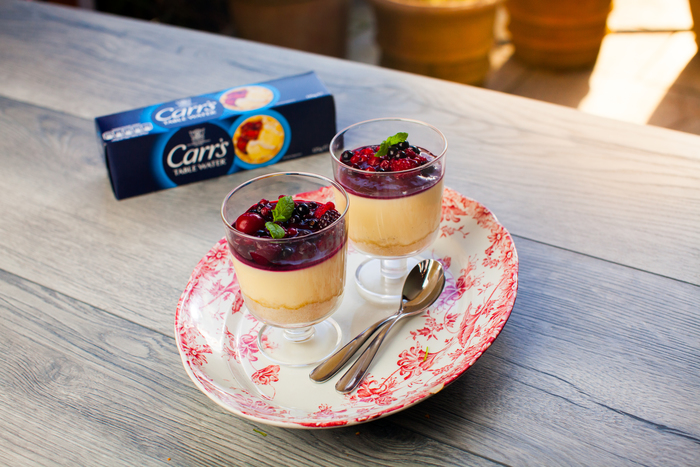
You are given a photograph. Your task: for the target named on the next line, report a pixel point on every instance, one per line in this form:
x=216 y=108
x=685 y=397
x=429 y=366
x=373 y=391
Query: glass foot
x=382 y=280
x=299 y=347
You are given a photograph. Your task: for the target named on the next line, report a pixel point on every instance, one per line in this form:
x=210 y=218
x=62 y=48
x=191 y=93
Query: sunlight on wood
x=629 y=86
x=650 y=15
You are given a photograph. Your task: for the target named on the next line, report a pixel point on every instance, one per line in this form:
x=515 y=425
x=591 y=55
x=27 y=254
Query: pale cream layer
x=395 y=226
x=302 y=296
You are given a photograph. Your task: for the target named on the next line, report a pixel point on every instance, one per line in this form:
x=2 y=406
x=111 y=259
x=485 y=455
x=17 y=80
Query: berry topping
x=395 y=154
x=250 y=222
x=286 y=218
x=328 y=218
x=321 y=210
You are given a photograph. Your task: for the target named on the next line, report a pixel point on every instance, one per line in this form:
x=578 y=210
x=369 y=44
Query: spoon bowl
x=421 y=288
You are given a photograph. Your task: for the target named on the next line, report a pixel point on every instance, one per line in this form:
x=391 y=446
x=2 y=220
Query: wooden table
x=599 y=363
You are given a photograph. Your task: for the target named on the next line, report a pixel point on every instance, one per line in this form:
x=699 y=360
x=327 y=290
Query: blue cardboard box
x=206 y=136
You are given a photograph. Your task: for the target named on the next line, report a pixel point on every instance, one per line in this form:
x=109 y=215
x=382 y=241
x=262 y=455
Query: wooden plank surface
x=551 y=174
x=597 y=366
x=84 y=387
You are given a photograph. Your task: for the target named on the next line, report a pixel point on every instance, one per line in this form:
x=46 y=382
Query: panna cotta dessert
x=289 y=256
x=395 y=191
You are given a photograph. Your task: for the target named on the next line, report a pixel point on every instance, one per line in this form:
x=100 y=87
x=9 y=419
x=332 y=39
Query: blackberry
x=328 y=218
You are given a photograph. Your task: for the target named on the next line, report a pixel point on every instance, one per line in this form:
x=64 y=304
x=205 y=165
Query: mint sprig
x=389 y=142
x=284 y=209
x=275 y=230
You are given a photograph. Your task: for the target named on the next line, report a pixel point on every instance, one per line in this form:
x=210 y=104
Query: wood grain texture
x=625 y=193
x=596 y=366
x=80 y=386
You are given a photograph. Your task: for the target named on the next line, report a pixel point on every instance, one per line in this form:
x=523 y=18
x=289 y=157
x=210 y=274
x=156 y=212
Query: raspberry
x=398 y=165
x=328 y=218
x=367 y=152
x=410 y=153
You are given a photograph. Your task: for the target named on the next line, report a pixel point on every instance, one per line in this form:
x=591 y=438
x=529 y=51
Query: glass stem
x=298 y=335
x=393 y=269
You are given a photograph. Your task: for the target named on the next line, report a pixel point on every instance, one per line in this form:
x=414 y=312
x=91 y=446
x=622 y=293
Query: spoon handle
x=333 y=364
x=352 y=378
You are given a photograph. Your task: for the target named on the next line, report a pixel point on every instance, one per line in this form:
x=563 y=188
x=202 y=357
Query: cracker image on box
x=247 y=98
x=258 y=139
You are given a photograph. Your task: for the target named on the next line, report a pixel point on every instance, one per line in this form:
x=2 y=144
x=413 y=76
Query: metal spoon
x=430 y=281
x=413 y=285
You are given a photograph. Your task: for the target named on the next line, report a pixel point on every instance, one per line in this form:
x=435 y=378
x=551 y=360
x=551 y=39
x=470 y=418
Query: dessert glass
x=394 y=216
x=292 y=285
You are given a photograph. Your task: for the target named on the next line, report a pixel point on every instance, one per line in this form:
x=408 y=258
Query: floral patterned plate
x=217 y=336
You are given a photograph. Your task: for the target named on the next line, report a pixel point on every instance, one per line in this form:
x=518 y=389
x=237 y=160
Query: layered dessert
x=290 y=260
x=395 y=192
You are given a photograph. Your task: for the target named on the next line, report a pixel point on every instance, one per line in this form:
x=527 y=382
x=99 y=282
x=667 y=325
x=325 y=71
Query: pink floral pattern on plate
x=217 y=337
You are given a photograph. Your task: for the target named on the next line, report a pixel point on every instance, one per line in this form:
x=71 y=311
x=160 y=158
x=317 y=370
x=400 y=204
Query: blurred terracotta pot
x=558 y=33
x=449 y=39
x=318 y=26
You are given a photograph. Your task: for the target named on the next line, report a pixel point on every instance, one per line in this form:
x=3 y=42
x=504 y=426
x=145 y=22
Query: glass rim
x=389 y=119
x=277 y=174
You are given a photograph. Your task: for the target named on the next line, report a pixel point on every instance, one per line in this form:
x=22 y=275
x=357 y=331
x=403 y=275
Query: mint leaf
x=284 y=209
x=390 y=141
x=383 y=149
x=397 y=138
x=275 y=230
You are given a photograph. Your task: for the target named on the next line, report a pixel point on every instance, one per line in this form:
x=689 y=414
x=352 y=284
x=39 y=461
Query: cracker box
x=201 y=137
